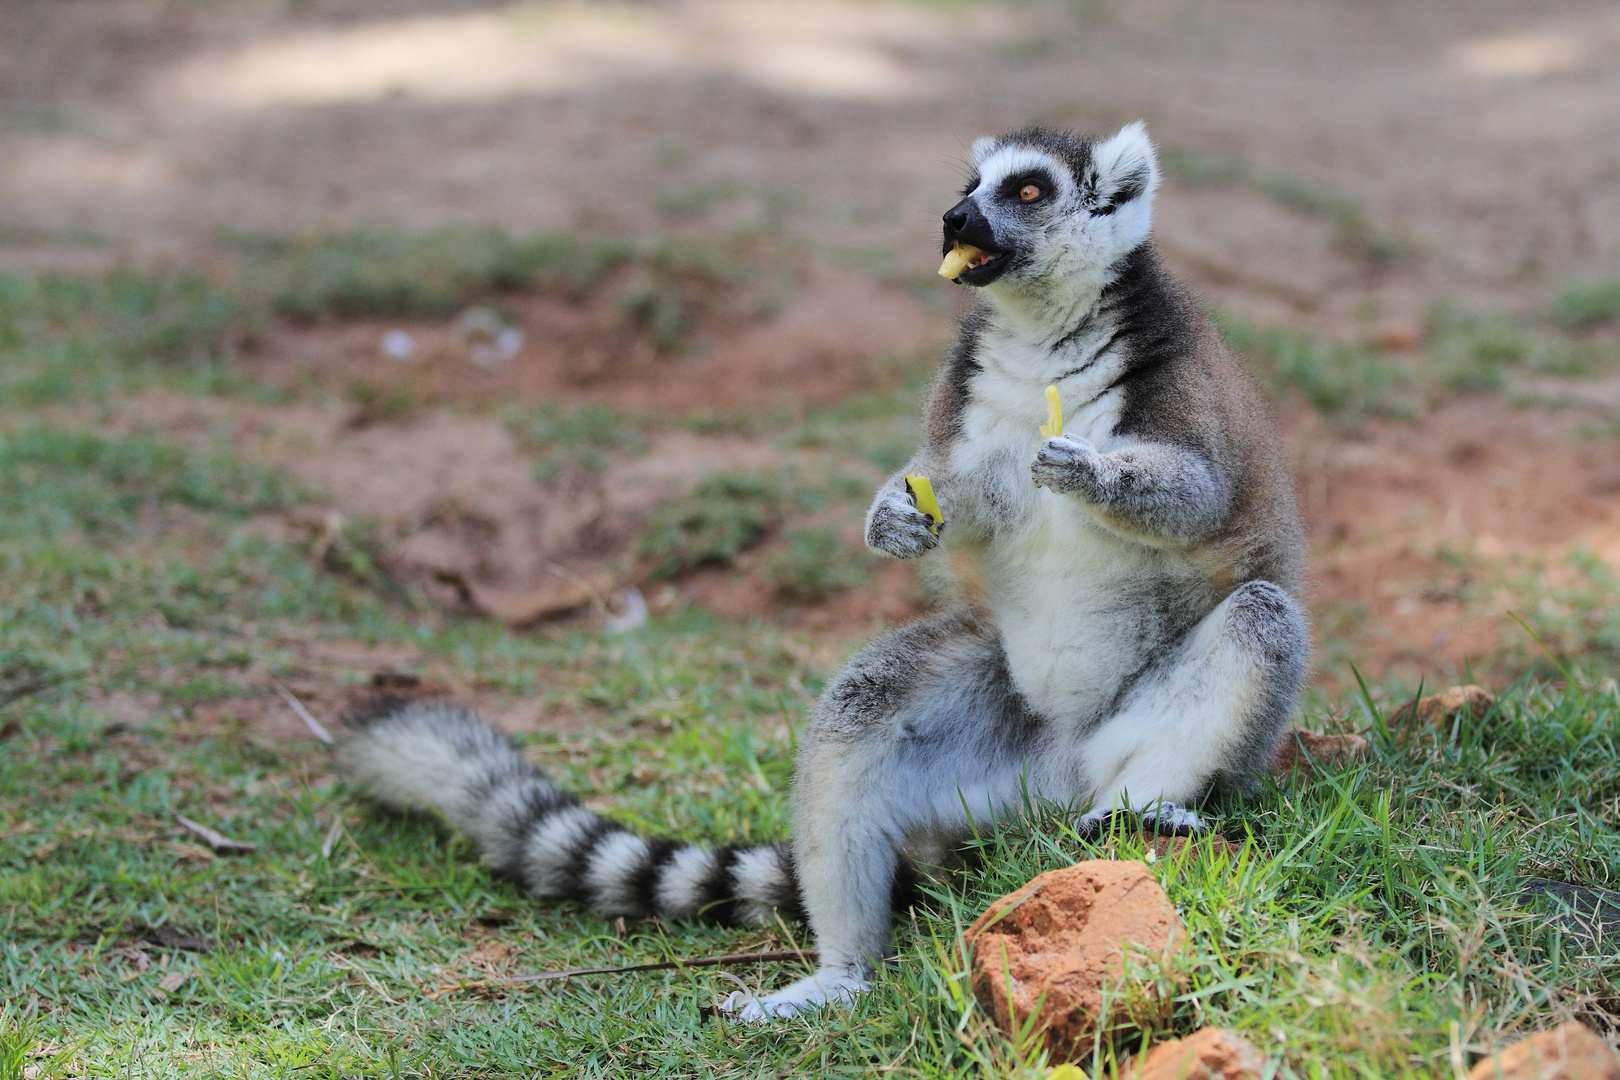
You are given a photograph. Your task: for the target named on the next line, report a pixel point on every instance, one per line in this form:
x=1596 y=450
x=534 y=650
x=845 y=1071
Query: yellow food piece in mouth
x=957 y=261
x=1054 y=414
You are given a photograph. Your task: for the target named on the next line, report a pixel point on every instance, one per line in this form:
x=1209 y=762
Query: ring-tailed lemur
x=1129 y=634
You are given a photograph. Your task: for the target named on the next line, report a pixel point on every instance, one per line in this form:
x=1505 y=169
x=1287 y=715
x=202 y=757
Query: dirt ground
x=1483 y=136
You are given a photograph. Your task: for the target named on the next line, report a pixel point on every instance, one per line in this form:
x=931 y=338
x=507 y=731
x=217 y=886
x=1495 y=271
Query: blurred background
x=517 y=307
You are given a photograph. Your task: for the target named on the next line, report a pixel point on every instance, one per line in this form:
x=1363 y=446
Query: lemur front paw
x=808 y=994
x=1065 y=463
x=896 y=526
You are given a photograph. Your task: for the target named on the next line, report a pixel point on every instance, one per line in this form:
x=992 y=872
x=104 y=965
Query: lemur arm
x=1153 y=491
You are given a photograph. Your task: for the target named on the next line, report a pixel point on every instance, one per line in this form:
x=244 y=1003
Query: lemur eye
x=1029 y=193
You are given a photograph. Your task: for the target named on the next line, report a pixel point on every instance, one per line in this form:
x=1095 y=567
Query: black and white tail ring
x=421 y=755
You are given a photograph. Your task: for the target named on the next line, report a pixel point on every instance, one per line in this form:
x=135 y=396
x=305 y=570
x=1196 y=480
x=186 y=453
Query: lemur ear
x=983 y=147
x=1123 y=168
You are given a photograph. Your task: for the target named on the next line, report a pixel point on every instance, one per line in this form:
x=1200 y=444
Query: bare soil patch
x=835 y=334
x=1428 y=534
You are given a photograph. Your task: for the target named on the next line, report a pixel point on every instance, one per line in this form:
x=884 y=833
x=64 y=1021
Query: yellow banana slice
x=957 y=261
x=922 y=493
x=1054 y=414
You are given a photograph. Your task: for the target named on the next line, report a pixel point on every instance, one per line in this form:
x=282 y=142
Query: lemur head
x=1045 y=207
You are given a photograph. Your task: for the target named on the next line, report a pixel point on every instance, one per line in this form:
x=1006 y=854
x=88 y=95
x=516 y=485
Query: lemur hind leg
x=1210 y=718
x=921 y=731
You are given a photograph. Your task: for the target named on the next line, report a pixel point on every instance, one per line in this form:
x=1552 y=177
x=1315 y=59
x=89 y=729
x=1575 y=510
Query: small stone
x=1438 y=710
x=1209 y=1054
x=1570 y=1052
x=398 y=345
x=1064 y=936
x=1303 y=751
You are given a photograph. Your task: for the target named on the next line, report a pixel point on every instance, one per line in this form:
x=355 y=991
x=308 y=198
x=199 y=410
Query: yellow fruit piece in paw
x=1054 y=414
x=957 y=261
x=922 y=493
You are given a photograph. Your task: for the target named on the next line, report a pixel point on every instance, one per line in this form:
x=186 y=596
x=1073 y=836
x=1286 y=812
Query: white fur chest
x=1080 y=608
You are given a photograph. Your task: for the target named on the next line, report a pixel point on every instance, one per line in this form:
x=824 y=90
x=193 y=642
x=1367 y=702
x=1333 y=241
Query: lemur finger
x=1065 y=449
x=1063 y=463
x=901 y=530
x=1058 y=475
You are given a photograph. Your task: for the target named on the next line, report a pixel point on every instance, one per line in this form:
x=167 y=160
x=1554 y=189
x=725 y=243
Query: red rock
x=1209 y=1054
x=1438 y=710
x=1570 y=1052
x=1304 y=750
x=1064 y=936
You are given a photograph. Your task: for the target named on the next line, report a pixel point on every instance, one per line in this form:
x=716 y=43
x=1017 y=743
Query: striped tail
x=424 y=754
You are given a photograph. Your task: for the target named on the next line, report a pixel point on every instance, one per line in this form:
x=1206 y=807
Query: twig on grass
x=17 y=689
x=304 y=714
x=702 y=961
x=218 y=842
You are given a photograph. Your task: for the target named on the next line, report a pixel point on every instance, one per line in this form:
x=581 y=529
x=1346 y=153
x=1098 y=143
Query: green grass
x=1372 y=911
x=1587 y=307
x=1461 y=351
x=571 y=442
x=728 y=513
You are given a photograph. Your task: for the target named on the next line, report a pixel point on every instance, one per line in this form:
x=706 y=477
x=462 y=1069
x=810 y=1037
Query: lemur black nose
x=956 y=218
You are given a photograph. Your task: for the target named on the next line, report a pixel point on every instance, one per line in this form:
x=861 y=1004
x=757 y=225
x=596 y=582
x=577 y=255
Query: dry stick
x=702 y=961
x=218 y=842
x=598 y=601
x=304 y=714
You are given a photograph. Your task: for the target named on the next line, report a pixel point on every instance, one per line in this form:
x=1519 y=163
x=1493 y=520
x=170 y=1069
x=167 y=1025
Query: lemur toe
x=807 y=995
x=1168 y=819
x=1096 y=824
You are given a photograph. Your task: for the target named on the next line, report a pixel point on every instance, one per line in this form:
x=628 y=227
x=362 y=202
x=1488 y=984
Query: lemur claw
x=1168 y=819
x=1165 y=819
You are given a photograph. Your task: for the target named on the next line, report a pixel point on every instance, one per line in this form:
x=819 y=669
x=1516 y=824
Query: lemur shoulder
x=1129 y=635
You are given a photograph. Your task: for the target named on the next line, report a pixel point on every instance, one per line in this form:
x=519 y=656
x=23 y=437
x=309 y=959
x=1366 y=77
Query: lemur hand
x=1066 y=464
x=895 y=525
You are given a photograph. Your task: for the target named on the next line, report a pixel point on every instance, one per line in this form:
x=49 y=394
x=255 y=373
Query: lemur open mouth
x=971 y=265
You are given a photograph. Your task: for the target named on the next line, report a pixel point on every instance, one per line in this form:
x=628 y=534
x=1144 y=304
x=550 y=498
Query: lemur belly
x=1084 y=613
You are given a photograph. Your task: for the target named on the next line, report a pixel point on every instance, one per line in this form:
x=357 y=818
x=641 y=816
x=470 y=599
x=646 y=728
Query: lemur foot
x=1066 y=463
x=808 y=994
x=896 y=526
x=1166 y=819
